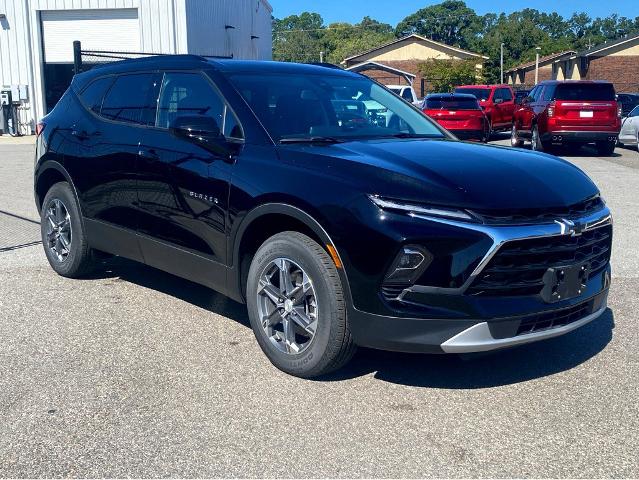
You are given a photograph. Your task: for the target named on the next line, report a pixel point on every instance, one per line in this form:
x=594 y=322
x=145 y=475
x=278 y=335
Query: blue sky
x=394 y=11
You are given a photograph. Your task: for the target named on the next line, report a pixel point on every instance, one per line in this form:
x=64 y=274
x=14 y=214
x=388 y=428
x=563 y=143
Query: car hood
x=447 y=172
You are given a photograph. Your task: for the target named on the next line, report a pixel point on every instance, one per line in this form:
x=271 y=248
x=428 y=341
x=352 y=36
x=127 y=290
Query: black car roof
x=227 y=66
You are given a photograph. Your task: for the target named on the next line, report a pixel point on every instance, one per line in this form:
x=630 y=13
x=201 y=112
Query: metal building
x=36 y=38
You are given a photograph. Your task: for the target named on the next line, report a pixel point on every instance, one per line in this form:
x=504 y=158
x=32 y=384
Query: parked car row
x=552 y=114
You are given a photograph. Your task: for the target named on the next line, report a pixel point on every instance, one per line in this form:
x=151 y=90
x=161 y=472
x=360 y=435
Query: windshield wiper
x=287 y=140
x=414 y=135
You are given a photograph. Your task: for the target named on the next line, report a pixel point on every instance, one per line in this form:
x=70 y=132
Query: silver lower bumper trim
x=479 y=339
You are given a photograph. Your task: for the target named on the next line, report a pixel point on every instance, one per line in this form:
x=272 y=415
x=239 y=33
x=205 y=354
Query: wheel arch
x=48 y=174
x=253 y=231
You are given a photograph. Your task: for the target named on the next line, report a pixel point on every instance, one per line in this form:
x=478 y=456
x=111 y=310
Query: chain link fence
x=84 y=60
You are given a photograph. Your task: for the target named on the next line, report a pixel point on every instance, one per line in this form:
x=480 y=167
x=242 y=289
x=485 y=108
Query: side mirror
x=204 y=131
x=497 y=101
x=527 y=99
x=196 y=128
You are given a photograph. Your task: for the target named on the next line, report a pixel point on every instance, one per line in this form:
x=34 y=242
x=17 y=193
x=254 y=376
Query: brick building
x=616 y=61
x=397 y=62
x=524 y=74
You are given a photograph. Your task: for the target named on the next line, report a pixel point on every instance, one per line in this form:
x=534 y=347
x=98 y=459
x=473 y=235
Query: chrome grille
x=518 y=266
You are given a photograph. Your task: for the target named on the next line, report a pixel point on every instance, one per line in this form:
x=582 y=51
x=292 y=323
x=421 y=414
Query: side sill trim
x=479 y=339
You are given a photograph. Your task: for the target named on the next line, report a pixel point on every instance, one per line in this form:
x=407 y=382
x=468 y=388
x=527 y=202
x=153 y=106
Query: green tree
x=450 y=22
x=445 y=75
x=341 y=40
x=297 y=38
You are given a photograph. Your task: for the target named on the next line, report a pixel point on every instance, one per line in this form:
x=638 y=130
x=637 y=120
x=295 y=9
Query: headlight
x=415 y=209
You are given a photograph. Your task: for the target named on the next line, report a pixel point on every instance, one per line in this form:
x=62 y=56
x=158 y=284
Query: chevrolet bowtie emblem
x=568 y=227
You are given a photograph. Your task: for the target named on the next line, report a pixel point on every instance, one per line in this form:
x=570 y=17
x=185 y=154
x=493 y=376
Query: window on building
x=128 y=100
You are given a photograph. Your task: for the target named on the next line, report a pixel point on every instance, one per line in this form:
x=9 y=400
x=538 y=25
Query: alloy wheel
x=534 y=140
x=287 y=306
x=58 y=229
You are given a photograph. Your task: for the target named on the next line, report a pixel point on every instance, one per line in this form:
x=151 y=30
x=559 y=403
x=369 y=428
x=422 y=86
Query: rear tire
x=305 y=335
x=515 y=141
x=535 y=140
x=65 y=243
x=606 y=148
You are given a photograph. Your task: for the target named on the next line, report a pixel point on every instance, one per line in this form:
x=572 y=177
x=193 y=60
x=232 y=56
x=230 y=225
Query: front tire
x=296 y=306
x=65 y=243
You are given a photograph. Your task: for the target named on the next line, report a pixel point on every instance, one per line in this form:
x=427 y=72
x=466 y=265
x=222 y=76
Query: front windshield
x=482 y=94
x=330 y=106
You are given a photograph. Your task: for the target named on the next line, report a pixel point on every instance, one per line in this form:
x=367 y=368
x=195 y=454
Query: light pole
x=501 y=61
x=537 y=65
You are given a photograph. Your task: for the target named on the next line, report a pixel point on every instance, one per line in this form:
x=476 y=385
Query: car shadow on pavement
x=483 y=370
x=181 y=289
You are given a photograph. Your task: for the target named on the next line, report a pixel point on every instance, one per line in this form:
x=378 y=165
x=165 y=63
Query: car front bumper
x=420 y=335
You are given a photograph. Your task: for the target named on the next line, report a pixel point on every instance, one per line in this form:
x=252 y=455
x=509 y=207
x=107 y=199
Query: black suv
x=337 y=211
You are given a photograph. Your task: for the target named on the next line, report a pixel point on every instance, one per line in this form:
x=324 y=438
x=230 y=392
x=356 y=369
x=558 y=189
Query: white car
x=406 y=92
x=629 y=134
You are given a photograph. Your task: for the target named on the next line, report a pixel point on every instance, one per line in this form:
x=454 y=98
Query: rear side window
x=451 y=103
x=585 y=91
x=407 y=95
x=93 y=95
x=128 y=100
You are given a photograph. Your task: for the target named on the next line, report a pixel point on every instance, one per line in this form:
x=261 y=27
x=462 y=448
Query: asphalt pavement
x=133 y=372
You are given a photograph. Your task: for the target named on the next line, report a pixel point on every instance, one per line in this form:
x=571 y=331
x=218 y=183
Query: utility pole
x=501 y=61
x=321 y=57
x=537 y=65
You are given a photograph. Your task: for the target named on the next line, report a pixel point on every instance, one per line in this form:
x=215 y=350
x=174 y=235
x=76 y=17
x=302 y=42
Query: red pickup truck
x=569 y=113
x=497 y=102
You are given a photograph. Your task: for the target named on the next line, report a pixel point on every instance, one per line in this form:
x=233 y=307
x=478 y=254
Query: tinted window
x=128 y=100
x=548 y=93
x=536 y=93
x=506 y=95
x=480 y=93
x=191 y=94
x=329 y=105
x=635 y=112
x=93 y=95
x=451 y=103
x=585 y=91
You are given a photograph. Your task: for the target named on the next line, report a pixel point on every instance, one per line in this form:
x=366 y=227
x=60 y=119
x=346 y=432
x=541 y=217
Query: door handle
x=148 y=154
x=80 y=134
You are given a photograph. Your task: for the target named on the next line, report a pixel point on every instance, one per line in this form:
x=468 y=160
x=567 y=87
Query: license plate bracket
x=564 y=282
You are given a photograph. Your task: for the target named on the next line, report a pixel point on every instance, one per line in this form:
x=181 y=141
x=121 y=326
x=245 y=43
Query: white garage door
x=115 y=30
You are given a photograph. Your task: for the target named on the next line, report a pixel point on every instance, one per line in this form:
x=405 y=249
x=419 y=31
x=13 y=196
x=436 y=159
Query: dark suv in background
x=284 y=187
x=572 y=113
